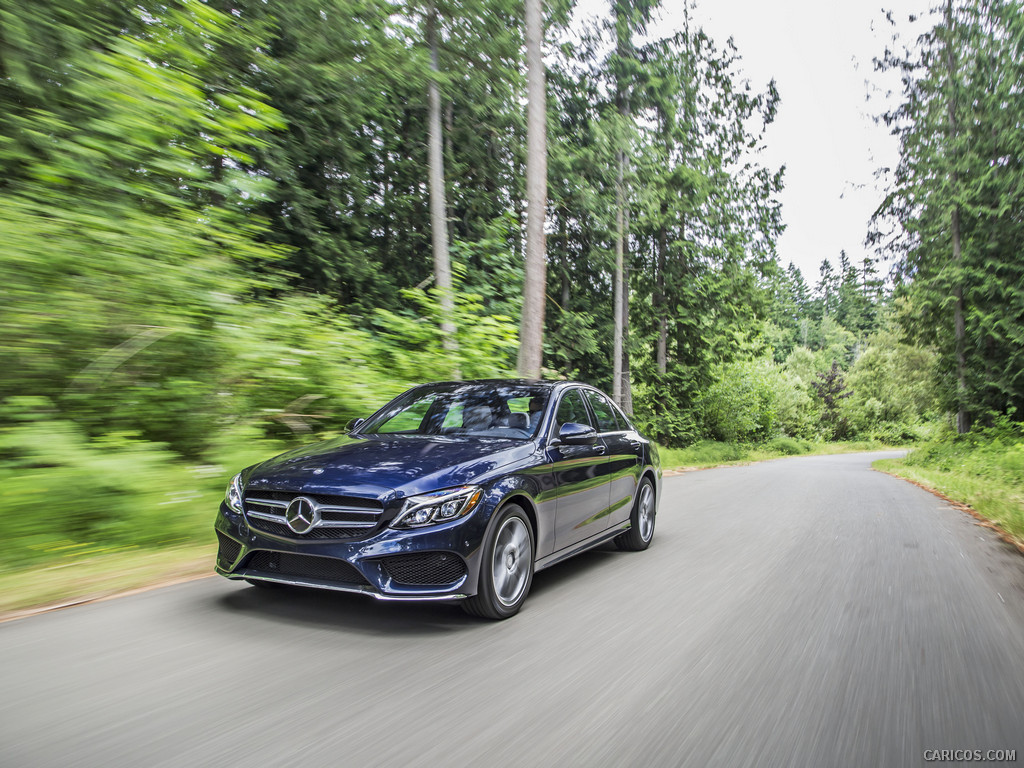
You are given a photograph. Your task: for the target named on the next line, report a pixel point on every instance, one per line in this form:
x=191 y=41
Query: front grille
x=228 y=549
x=287 y=564
x=340 y=517
x=425 y=568
x=371 y=505
x=280 y=529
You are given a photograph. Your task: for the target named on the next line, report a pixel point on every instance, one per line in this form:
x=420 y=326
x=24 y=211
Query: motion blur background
x=215 y=242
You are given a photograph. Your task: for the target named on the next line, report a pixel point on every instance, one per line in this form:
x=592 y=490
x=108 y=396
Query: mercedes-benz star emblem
x=302 y=514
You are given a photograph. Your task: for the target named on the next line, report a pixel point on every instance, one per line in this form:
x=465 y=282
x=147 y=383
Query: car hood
x=382 y=466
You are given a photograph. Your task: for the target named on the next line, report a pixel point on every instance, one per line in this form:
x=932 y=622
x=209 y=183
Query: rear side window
x=624 y=421
x=572 y=409
x=603 y=411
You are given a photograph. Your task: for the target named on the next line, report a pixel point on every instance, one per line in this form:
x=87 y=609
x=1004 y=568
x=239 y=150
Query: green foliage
x=215 y=235
x=952 y=218
x=892 y=383
x=413 y=351
x=66 y=496
x=701 y=233
x=756 y=400
x=122 y=245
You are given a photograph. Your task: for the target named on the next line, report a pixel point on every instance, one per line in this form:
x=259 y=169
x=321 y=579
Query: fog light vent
x=425 y=568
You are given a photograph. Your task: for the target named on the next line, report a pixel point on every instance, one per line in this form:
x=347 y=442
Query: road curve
x=799 y=612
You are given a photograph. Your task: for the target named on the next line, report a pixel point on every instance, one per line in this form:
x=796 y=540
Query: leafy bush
x=66 y=496
x=788 y=446
x=704 y=452
x=893 y=390
x=755 y=400
x=895 y=433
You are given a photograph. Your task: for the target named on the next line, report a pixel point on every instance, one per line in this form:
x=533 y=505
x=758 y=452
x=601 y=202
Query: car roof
x=537 y=383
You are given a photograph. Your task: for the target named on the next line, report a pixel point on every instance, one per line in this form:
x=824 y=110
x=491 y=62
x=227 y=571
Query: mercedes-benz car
x=452 y=491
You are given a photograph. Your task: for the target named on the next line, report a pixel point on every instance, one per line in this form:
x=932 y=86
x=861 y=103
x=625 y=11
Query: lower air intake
x=425 y=568
x=228 y=549
x=305 y=566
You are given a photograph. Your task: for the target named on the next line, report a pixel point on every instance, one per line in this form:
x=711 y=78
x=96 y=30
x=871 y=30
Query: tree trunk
x=621 y=391
x=438 y=213
x=618 y=302
x=531 y=333
x=449 y=130
x=963 y=422
x=660 y=302
x=627 y=389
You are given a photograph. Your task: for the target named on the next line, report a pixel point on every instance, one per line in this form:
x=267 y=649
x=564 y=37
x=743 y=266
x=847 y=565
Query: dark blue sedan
x=452 y=491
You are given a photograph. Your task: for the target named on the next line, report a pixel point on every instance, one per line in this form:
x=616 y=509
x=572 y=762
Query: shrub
x=755 y=400
x=788 y=446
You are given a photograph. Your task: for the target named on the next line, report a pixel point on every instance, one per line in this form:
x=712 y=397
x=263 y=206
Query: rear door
x=623 y=457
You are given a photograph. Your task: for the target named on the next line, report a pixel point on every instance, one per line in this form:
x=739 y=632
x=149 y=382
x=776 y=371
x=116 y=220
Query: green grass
x=709 y=453
x=78 y=579
x=984 y=472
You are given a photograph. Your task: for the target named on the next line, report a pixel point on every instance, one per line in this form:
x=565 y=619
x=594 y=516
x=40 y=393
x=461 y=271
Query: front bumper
x=436 y=563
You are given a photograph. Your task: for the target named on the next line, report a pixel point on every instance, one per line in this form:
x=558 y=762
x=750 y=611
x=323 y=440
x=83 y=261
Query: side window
x=571 y=409
x=453 y=418
x=604 y=413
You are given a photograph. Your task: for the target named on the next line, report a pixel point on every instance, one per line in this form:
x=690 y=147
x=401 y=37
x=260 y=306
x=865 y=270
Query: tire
x=641 y=520
x=506 y=567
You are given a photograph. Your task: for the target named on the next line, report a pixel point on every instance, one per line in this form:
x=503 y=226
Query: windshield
x=478 y=410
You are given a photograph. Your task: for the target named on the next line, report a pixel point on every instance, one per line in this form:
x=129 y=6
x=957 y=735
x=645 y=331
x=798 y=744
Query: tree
x=704 y=223
x=534 y=283
x=438 y=207
x=629 y=17
x=953 y=213
x=832 y=390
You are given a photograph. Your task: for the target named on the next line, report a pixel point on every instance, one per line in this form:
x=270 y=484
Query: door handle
x=600 y=450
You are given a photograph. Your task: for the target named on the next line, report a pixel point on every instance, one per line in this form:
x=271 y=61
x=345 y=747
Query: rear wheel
x=506 y=568
x=641 y=519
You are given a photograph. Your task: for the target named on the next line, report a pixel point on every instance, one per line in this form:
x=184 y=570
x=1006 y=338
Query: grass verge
x=709 y=453
x=985 y=474
x=95 y=578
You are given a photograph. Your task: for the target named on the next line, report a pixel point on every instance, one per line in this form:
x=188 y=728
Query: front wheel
x=506 y=568
x=641 y=520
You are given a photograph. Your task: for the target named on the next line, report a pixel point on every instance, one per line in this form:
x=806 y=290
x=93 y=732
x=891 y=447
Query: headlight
x=233 y=497
x=438 y=507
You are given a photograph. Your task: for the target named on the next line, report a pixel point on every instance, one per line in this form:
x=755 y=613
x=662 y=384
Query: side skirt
x=565 y=554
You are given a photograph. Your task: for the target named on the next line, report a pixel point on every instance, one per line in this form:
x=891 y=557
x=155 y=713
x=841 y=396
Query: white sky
x=820 y=54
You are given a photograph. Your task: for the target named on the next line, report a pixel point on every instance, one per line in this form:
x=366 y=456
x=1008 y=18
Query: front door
x=581 y=477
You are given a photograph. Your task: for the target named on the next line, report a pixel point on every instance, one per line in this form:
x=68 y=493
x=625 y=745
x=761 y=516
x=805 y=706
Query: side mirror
x=572 y=433
x=355 y=424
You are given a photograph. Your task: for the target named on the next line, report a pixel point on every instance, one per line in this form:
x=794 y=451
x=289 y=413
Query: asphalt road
x=800 y=612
